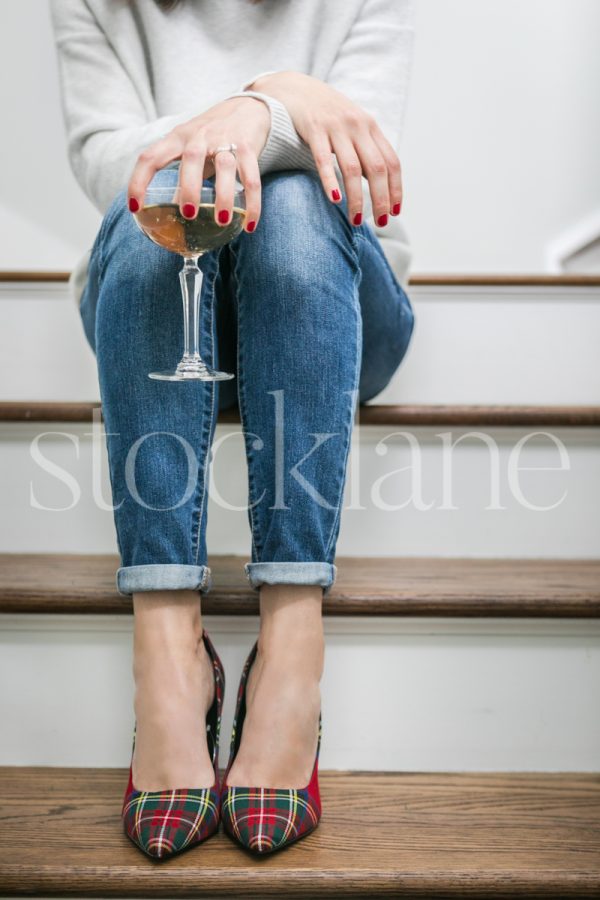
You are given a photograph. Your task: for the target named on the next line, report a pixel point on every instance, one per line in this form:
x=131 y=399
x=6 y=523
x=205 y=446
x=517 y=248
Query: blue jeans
x=309 y=315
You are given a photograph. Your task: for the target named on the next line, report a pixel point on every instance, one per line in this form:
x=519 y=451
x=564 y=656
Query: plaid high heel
x=162 y=823
x=267 y=819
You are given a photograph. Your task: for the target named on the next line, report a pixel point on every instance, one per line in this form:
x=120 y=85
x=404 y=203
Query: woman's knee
x=296 y=198
x=302 y=238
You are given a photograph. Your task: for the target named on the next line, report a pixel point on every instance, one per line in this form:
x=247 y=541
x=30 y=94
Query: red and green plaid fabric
x=162 y=823
x=267 y=819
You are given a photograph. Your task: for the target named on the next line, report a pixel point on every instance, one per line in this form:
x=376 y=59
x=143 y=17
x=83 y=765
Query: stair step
x=384 y=586
x=386 y=414
x=408 y=834
x=421 y=280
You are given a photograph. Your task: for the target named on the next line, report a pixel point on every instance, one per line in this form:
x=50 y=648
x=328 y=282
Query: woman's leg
x=158 y=437
x=296 y=280
x=318 y=306
x=174 y=689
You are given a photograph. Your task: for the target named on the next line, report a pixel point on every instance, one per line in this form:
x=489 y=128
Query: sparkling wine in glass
x=161 y=221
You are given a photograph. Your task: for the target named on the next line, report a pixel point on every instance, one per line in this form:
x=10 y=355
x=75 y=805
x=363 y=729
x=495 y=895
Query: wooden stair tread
x=398 y=415
x=56 y=583
x=408 y=834
x=453 y=279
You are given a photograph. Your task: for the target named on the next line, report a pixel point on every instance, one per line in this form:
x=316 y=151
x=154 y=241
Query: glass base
x=191 y=370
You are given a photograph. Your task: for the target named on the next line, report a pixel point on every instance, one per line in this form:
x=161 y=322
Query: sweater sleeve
x=104 y=137
x=284 y=148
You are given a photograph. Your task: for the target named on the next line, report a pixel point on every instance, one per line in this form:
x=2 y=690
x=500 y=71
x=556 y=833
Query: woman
x=309 y=313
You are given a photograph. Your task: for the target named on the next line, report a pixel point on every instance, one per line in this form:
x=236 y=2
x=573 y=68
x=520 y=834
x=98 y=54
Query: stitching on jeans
x=350 y=425
x=242 y=402
x=207 y=432
x=370 y=242
x=376 y=245
x=99 y=245
x=113 y=211
x=208 y=439
x=357 y=366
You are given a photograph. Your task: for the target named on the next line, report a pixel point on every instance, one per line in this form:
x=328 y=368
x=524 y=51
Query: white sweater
x=129 y=72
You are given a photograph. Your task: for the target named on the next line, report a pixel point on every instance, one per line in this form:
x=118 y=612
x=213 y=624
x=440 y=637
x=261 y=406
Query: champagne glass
x=161 y=221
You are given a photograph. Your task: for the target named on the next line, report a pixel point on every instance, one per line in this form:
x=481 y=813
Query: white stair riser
x=425 y=493
x=426 y=695
x=471 y=346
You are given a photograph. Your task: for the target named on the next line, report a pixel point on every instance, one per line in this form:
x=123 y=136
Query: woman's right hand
x=244 y=121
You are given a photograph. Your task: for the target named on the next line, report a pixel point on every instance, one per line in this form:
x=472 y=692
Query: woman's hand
x=244 y=121
x=331 y=123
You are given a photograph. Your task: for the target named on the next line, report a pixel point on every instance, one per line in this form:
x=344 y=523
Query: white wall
x=458 y=694
x=501 y=143
x=502 y=139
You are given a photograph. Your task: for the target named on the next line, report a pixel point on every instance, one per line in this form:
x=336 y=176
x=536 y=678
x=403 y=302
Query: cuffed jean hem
x=131 y=579
x=318 y=573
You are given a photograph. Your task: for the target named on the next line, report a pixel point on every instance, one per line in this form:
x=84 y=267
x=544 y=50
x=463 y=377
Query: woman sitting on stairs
x=309 y=312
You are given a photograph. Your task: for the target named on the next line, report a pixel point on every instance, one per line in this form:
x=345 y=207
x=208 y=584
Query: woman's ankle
x=168 y=615
x=168 y=623
x=291 y=626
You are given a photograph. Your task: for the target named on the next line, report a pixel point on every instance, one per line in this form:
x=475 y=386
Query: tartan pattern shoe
x=162 y=823
x=266 y=819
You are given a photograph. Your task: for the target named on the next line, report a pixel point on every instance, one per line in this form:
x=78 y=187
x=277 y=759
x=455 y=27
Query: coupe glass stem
x=190 y=279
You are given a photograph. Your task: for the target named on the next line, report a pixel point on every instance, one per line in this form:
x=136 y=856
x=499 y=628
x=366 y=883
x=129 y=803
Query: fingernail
x=396 y=209
x=335 y=195
x=357 y=219
x=223 y=217
x=189 y=210
x=382 y=220
x=251 y=226
x=133 y=205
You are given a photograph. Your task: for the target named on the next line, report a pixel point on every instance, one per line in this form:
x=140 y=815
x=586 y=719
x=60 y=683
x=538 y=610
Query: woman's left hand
x=329 y=122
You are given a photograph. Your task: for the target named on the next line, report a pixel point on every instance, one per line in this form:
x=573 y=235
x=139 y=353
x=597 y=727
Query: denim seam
x=350 y=425
x=112 y=490
x=357 y=366
x=106 y=223
x=401 y=295
x=242 y=405
x=99 y=248
x=364 y=239
x=207 y=431
x=99 y=245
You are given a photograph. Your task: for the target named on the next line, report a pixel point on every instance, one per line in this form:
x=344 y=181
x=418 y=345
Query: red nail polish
x=396 y=209
x=189 y=210
x=357 y=219
x=251 y=226
x=133 y=205
x=382 y=220
x=335 y=195
x=223 y=217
